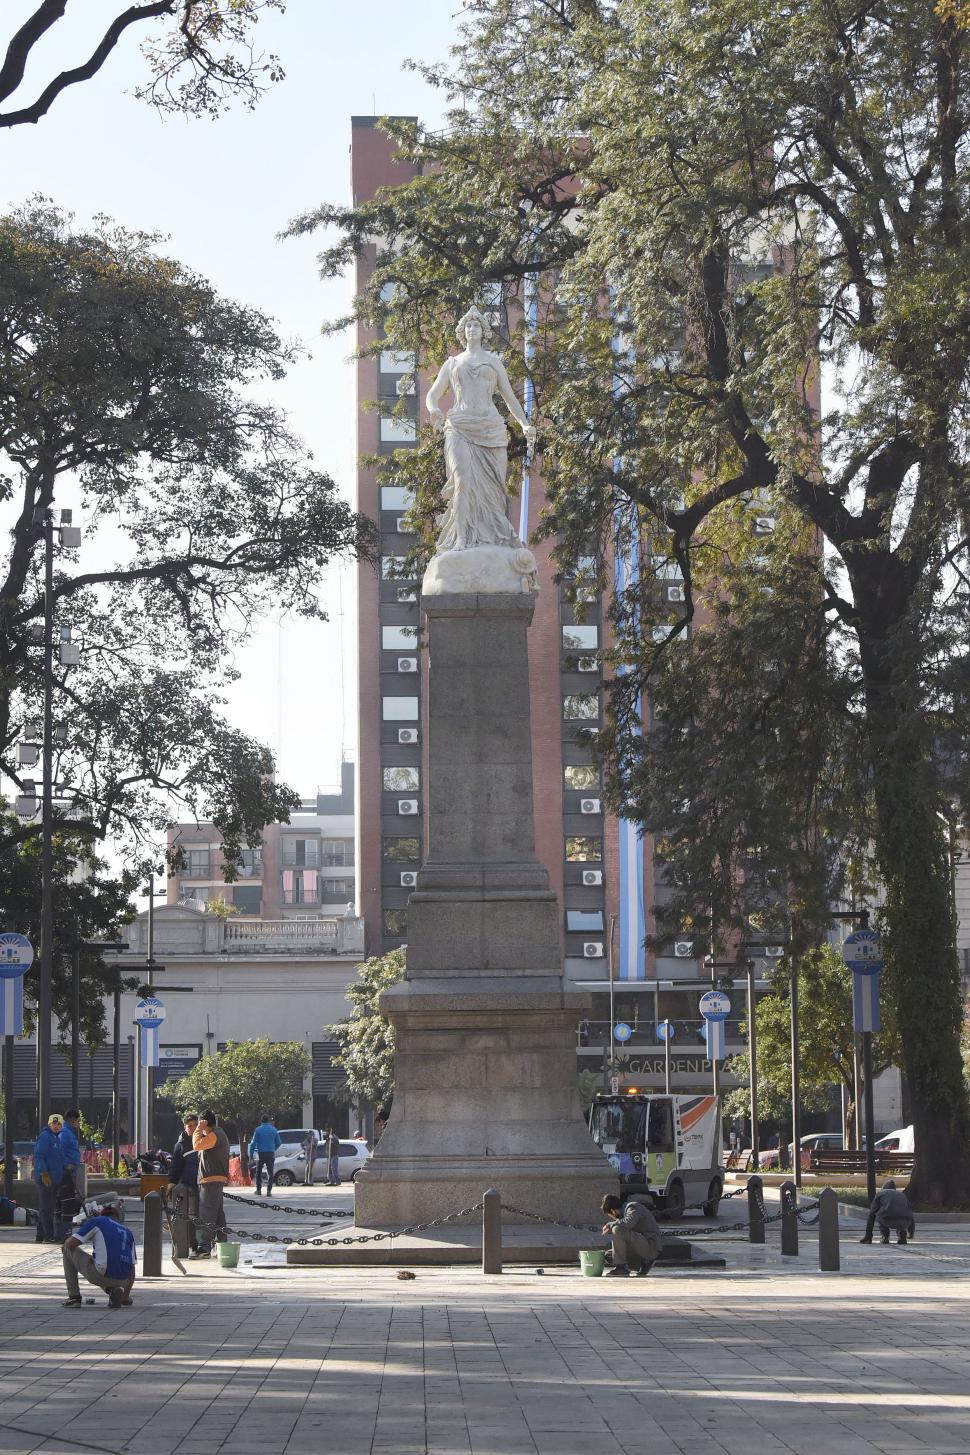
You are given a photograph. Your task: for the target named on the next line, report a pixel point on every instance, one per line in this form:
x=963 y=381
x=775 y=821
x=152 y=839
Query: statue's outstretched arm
x=515 y=408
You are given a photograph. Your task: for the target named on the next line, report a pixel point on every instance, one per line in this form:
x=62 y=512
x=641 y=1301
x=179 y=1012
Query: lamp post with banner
x=149 y=1016
x=715 y=1007
x=665 y=1033
x=862 y=952
x=16 y=958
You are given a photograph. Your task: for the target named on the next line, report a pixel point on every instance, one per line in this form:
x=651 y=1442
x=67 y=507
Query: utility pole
x=46 y=987
x=76 y=1026
x=752 y=1064
x=796 y=1115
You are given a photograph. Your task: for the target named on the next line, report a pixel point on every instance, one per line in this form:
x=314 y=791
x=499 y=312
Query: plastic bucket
x=228 y=1255
x=592 y=1261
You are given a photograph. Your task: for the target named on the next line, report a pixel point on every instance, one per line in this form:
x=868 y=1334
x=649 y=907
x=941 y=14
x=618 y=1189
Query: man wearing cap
x=183 y=1179
x=212 y=1145
x=110 y=1264
x=70 y=1194
x=48 y=1172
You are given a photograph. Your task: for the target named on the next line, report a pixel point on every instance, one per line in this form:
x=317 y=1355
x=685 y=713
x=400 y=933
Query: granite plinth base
x=485 y=1096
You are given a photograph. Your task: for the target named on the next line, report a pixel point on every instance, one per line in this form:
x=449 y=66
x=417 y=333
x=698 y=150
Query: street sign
x=862 y=952
x=16 y=958
x=149 y=1015
x=622 y=1032
x=666 y=1030
x=714 y=1005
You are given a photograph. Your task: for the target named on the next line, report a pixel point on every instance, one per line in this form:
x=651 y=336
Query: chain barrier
x=253 y=1234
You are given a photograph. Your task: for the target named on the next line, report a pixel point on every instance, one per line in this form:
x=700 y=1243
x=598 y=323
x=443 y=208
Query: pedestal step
x=442 y=1247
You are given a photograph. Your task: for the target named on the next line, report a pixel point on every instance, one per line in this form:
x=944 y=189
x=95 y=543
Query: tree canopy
x=696 y=215
x=366 y=1038
x=89 y=904
x=246 y=1081
x=127 y=378
x=825 y=1041
x=200 y=58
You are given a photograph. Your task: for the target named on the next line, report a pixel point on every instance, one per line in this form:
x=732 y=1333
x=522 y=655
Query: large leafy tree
x=126 y=377
x=247 y=1080
x=89 y=904
x=199 y=56
x=366 y=1038
x=711 y=205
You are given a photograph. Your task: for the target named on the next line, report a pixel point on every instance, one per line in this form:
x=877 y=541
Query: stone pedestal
x=485 y=1071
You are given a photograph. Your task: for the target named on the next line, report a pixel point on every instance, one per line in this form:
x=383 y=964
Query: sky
x=221 y=191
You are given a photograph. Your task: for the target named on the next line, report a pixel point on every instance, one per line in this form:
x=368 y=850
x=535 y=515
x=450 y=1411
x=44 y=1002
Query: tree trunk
x=922 y=968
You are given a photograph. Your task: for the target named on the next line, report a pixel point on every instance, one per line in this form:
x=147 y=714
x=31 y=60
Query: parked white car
x=902 y=1140
x=292 y=1169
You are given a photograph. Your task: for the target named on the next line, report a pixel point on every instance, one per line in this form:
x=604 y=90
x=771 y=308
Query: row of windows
x=576 y=707
x=309 y=852
x=579 y=849
x=578 y=921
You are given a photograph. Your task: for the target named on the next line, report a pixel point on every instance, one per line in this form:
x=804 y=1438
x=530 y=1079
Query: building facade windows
x=584 y=850
x=301 y=886
x=579 y=921
x=196 y=862
x=397 y=431
x=402 y=851
x=336 y=851
x=396 y=922
x=247 y=898
x=581 y=777
x=299 y=852
x=399 y=709
x=581 y=707
x=399 y=638
x=401 y=780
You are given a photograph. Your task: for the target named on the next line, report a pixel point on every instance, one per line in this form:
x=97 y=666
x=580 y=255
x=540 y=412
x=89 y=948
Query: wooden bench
x=837 y=1160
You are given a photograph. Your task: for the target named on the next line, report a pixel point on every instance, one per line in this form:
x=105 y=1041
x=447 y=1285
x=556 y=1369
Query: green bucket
x=228 y=1255
x=592 y=1261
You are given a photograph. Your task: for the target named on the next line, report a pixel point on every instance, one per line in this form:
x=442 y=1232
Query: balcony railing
x=196 y=870
x=341 y=935
x=318 y=861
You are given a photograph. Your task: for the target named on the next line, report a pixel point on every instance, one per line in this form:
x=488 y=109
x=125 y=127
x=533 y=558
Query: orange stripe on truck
x=698 y=1110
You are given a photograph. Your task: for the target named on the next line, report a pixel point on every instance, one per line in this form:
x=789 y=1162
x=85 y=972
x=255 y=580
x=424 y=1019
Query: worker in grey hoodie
x=890 y=1209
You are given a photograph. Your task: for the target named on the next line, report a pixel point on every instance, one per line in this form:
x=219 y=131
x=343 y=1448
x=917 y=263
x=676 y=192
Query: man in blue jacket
x=266 y=1142
x=71 y=1191
x=48 y=1172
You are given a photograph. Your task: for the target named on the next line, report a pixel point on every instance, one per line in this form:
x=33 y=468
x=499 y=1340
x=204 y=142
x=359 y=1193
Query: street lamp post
x=46 y=986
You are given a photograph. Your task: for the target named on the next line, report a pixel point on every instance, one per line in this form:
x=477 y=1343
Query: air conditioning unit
x=27 y=754
x=406 y=594
x=407 y=735
x=774 y=952
x=593 y=950
x=70 y=654
x=407 y=806
x=684 y=949
x=589 y=805
x=763 y=525
x=401 y=525
x=587 y=664
x=407 y=664
x=674 y=594
x=592 y=877
x=70 y=537
x=409 y=878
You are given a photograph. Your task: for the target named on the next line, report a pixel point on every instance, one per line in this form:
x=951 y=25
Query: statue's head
x=474 y=315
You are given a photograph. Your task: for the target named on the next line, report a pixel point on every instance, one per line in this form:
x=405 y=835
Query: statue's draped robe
x=476 y=459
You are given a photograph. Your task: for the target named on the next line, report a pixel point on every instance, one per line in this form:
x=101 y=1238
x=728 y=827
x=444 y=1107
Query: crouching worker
x=890 y=1208
x=110 y=1263
x=635 y=1234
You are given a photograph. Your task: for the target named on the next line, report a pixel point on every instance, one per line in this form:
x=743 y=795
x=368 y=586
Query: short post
x=828 y=1232
x=789 y=1220
x=756 y=1219
x=492 y=1231
x=151 y=1265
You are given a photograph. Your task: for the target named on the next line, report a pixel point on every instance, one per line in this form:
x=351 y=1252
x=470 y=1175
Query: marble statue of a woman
x=477 y=548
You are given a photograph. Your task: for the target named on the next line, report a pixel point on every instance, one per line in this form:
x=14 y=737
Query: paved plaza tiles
x=760 y=1358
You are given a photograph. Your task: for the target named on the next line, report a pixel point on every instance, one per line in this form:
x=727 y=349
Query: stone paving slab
x=770 y=1356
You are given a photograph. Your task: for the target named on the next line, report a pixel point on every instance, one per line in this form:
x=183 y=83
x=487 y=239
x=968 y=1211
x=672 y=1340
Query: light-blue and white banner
x=12 y=1006
x=865 y=1002
x=149 y=1045
x=714 y=1030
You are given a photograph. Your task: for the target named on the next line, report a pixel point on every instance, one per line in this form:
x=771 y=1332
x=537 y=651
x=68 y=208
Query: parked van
x=902 y=1140
x=668 y=1147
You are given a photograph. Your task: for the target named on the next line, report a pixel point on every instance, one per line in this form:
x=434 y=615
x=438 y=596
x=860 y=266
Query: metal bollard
x=151 y=1261
x=756 y=1222
x=180 y=1224
x=828 y=1232
x=492 y=1231
x=789 y=1220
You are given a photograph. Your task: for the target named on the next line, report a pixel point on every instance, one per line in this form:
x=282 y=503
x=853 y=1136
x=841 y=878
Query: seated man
x=890 y=1208
x=635 y=1232
x=110 y=1265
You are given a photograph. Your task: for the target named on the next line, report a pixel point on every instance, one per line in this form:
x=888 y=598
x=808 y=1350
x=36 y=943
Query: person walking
x=310 y=1148
x=110 y=1265
x=70 y=1193
x=48 y=1174
x=266 y=1142
x=183 y=1179
x=212 y=1145
x=890 y=1208
x=331 y=1143
x=635 y=1232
